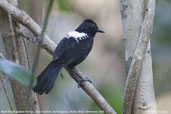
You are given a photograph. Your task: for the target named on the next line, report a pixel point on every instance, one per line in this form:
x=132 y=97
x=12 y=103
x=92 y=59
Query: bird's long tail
x=46 y=80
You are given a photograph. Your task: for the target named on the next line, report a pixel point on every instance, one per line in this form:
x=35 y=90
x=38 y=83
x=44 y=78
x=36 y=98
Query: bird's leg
x=83 y=79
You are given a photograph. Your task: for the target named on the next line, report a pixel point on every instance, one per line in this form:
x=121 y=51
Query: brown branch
x=33 y=39
x=50 y=46
x=27 y=21
x=136 y=65
x=91 y=91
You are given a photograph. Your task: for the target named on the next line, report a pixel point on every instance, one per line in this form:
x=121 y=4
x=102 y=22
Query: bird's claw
x=83 y=80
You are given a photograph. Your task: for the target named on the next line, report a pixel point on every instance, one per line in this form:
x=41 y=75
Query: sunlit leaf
x=16 y=71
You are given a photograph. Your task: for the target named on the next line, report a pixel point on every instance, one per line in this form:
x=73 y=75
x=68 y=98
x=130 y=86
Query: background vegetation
x=106 y=64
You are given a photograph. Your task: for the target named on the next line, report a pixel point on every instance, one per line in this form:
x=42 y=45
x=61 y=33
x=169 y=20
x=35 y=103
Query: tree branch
x=32 y=39
x=91 y=91
x=15 y=51
x=135 y=69
x=27 y=21
x=50 y=46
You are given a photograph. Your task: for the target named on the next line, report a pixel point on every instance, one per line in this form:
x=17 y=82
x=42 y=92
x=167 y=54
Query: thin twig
x=13 y=39
x=136 y=65
x=4 y=82
x=35 y=63
x=33 y=39
x=3 y=85
x=36 y=59
x=6 y=93
x=12 y=36
x=50 y=46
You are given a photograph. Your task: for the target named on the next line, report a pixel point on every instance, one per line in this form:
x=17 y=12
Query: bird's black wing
x=64 y=44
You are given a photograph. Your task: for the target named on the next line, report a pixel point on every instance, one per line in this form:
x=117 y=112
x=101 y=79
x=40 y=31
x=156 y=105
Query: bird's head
x=89 y=26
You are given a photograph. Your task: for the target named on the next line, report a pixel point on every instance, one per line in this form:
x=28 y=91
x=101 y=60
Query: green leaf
x=65 y=5
x=16 y=71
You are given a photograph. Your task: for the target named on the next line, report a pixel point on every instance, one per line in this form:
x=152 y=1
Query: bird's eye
x=94 y=26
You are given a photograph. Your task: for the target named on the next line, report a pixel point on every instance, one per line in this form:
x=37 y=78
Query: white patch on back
x=76 y=35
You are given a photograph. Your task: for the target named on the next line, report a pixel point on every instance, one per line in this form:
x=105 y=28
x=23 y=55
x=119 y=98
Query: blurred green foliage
x=65 y=5
x=112 y=95
x=162 y=23
x=161 y=46
x=16 y=71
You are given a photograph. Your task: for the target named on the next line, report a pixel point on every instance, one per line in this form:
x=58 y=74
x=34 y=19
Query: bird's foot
x=83 y=79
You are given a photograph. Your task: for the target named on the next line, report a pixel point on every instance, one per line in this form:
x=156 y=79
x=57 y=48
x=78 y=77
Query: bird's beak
x=99 y=30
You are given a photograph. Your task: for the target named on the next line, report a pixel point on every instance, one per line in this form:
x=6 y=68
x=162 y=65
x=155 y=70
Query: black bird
x=70 y=51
